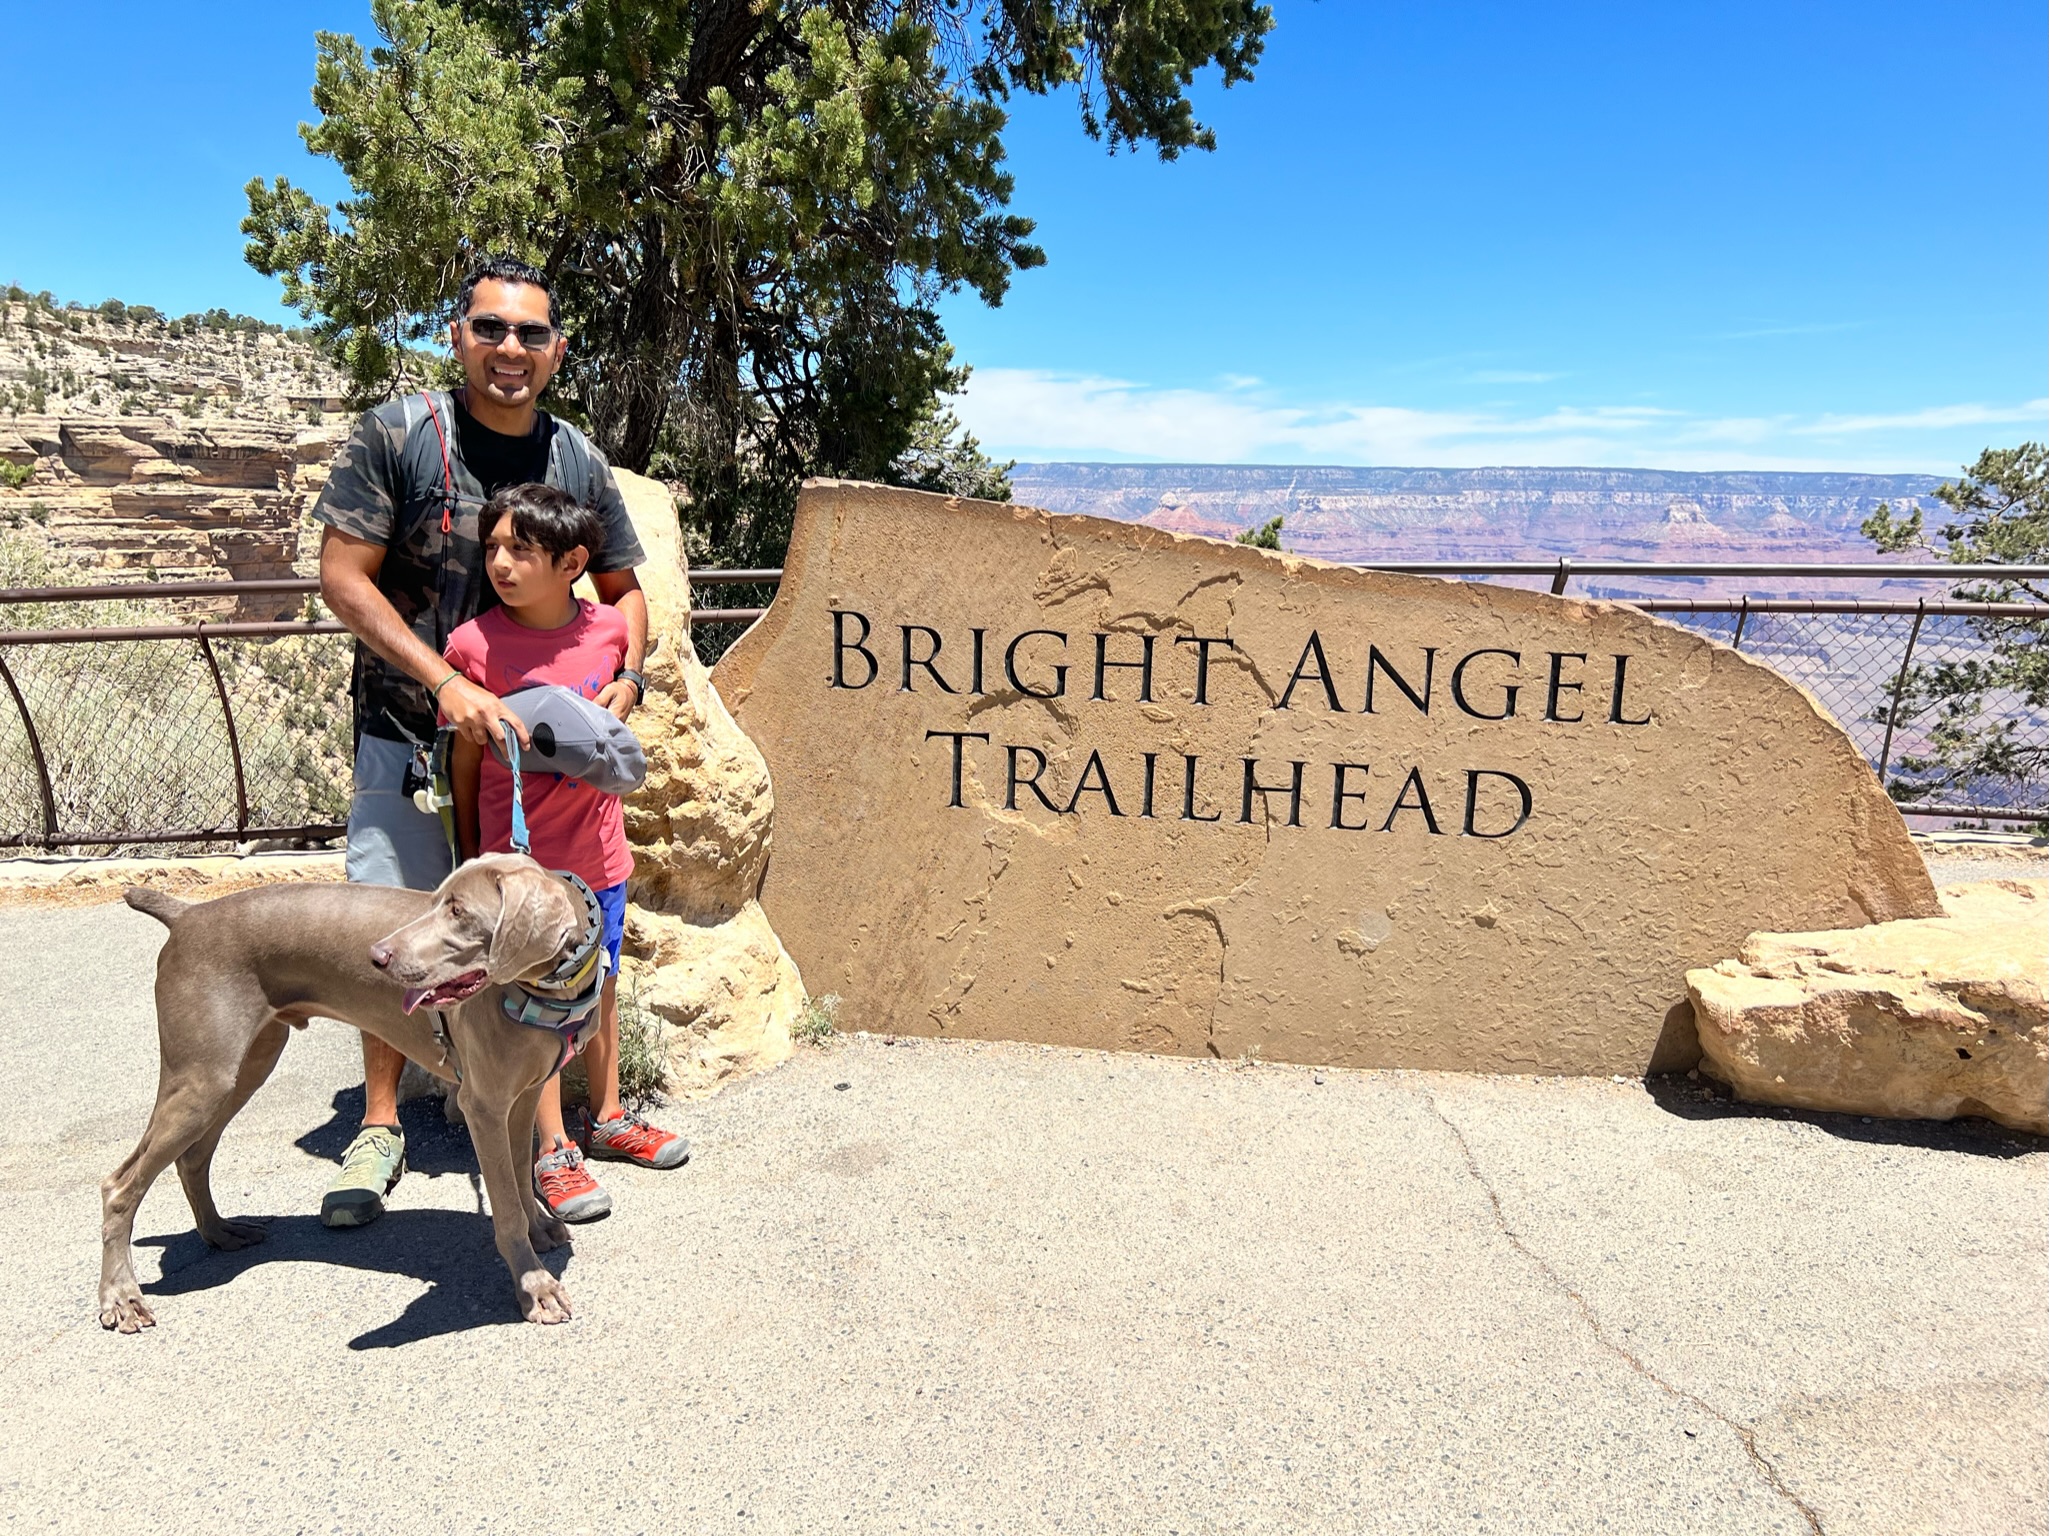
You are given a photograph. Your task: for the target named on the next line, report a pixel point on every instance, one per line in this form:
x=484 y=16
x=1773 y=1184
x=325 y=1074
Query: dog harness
x=565 y=1001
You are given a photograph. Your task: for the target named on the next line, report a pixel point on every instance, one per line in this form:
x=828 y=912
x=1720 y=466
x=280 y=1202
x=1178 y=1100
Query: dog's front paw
x=122 y=1309
x=542 y=1298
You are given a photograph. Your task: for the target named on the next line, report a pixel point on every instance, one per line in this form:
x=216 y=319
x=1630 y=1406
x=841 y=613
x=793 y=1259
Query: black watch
x=628 y=675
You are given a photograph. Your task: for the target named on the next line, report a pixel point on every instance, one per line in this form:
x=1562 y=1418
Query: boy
x=537 y=542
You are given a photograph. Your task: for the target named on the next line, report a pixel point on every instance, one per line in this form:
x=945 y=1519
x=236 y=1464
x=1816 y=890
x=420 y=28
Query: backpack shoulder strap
x=576 y=463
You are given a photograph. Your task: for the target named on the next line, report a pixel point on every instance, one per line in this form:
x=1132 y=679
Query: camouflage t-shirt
x=401 y=481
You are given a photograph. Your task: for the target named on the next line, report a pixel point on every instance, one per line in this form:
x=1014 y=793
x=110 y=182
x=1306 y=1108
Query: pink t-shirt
x=571 y=825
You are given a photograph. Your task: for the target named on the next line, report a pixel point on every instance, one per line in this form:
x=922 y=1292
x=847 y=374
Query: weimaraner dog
x=236 y=973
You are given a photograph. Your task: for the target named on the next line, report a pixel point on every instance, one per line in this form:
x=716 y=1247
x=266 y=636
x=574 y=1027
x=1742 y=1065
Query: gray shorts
x=391 y=840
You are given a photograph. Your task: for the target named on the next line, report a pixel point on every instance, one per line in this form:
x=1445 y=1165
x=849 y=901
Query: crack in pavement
x=1559 y=1283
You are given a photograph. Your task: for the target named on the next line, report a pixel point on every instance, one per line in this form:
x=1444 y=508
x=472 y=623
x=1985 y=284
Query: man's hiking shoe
x=374 y=1163
x=566 y=1187
x=630 y=1139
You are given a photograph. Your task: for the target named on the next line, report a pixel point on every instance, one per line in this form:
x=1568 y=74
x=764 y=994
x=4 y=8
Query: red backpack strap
x=447 y=465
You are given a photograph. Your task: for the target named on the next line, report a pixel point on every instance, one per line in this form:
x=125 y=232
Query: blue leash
x=573 y=1018
x=520 y=843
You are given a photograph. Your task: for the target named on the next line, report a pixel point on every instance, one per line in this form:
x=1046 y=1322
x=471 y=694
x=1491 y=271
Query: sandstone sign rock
x=1924 y=1019
x=1054 y=778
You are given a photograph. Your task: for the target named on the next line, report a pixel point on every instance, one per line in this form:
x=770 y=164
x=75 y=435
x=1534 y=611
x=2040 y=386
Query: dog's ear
x=535 y=923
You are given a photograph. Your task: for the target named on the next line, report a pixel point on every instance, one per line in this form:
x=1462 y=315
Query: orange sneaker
x=630 y=1139
x=566 y=1187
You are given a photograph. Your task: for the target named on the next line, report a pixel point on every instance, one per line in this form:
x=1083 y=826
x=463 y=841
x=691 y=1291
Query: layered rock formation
x=702 y=954
x=154 y=450
x=164 y=499
x=86 y=363
x=1357 y=514
x=1925 y=1018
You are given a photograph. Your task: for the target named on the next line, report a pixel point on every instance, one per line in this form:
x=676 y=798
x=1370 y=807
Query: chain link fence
x=144 y=737
x=1900 y=681
x=122 y=732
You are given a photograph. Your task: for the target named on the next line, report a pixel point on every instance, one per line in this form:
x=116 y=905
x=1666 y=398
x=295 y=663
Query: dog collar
x=565 y=1001
x=572 y=974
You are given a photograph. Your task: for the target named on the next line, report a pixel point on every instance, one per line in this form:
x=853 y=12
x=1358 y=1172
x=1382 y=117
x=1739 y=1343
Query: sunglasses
x=490 y=330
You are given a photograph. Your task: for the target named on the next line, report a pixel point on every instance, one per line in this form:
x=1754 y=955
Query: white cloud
x=1035 y=414
x=1818 y=328
x=2034 y=413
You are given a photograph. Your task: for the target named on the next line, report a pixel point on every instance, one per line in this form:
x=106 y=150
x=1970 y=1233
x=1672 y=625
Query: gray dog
x=238 y=973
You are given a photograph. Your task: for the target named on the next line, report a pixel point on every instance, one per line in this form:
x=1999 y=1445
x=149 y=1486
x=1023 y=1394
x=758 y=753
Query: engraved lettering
x=1558 y=685
x=1188 y=792
x=1144 y=668
x=957 y=737
x=841 y=645
x=1321 y=674
x=1339 y=795
x=1059 y=673
x=1458 y=686
x=1032 y=783
x=1401 y=801
x=1473 y=777
x=1202 y=643
x=1615 y=712
x=1376 y=663
x=926 y=661
x=1254 y=787
x=1100 y=785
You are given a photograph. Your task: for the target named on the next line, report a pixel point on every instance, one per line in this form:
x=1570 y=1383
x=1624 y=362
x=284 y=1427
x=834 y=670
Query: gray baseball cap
x=578 y=738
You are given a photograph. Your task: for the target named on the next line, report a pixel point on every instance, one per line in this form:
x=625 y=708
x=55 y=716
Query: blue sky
x=1726 y=235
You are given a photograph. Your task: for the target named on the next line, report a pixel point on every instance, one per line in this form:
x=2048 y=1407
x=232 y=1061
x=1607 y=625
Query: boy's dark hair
x=506 y=269
x=544 y=518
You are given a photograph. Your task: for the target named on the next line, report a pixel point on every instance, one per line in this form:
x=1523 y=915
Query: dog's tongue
x=468 y=984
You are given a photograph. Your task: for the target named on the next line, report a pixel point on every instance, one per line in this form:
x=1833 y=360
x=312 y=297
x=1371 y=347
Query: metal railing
x=147 y=735
x=226 y=730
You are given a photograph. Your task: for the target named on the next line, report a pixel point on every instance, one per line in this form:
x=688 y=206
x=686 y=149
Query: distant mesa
x=1365 y=514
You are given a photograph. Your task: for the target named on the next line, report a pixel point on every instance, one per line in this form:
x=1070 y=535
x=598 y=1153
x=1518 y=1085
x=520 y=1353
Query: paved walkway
x=936 y=1287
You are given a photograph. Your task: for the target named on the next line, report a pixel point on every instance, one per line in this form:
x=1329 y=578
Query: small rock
x=841 y=1087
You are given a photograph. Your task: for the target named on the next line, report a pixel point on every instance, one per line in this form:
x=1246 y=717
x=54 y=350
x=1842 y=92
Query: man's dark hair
x=506 y=269
x=544 y=518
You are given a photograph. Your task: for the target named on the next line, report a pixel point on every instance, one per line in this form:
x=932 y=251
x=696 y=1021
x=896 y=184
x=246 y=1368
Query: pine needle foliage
x=751 y=208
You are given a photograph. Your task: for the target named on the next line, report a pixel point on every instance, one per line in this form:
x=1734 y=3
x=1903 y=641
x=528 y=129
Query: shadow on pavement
x=433 y=1146
x=467 y=1286
x=1704 y=1100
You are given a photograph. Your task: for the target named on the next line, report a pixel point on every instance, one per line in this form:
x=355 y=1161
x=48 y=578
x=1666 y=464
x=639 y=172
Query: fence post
x=1564 y=575
x=1899 y=687
x=35 y=748
x=234 y=740
x=1742 y=618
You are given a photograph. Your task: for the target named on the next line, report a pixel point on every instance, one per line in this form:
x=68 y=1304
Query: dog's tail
x=158 y=904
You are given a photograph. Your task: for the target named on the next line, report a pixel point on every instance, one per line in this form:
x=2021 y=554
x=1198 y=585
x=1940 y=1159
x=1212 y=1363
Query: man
x=402 y=566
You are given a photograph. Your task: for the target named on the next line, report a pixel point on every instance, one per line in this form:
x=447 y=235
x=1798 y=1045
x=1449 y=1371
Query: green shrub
x=1266 y=536
x=819 y=1021
x=643 y=1068
x=15 y=476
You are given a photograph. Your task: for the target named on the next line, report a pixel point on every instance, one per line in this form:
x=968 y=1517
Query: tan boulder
x=702 y=954
x=727 y=992
x=1925 y=1018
